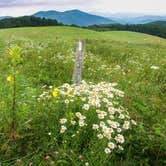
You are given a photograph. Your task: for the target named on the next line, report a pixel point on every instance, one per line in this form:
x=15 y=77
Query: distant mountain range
x=75 y=17
x=80 y=18
x=138 y=19
x=133 y=18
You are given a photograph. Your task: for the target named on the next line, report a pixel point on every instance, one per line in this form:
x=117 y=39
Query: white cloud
x=148 y=6
x=25 y=7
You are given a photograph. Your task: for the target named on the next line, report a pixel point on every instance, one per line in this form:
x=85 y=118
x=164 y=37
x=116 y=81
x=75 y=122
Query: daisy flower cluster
x=100 y=101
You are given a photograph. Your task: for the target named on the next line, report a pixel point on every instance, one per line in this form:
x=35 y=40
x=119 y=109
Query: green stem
x=13 y=113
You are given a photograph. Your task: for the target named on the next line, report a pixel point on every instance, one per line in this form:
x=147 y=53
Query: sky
x=28 y=7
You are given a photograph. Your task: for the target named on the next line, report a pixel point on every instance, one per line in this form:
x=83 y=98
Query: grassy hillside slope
x=137 y=62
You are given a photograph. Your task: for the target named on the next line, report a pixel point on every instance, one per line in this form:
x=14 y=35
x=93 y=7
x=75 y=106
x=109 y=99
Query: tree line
x=27 y=21
x=155 y=28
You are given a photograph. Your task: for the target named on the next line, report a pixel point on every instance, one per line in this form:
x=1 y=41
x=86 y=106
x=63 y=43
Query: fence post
x=78 y=68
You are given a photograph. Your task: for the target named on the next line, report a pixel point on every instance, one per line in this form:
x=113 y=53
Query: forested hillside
x=155 y=28
x=26 y=21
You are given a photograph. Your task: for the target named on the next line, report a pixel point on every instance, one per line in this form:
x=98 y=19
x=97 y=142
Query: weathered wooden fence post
x=78 y=68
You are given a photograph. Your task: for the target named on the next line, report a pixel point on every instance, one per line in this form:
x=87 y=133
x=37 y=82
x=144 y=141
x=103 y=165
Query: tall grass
x=135 y=61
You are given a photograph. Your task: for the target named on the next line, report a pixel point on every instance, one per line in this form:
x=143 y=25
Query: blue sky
x=27 y=7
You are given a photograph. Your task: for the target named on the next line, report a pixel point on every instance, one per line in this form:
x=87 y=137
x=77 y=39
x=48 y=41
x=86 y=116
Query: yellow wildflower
x=55 y=92
x=9 y=78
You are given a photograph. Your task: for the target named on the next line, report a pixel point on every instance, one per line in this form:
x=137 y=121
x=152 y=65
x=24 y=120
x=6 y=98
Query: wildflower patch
x=95 y=108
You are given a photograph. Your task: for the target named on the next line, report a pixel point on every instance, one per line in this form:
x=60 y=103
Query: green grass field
x=137 y=62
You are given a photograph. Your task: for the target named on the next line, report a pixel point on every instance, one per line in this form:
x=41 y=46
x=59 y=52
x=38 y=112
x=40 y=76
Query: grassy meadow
x=135 y=61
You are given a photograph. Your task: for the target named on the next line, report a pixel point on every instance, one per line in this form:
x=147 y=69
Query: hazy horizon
x=132 y=14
